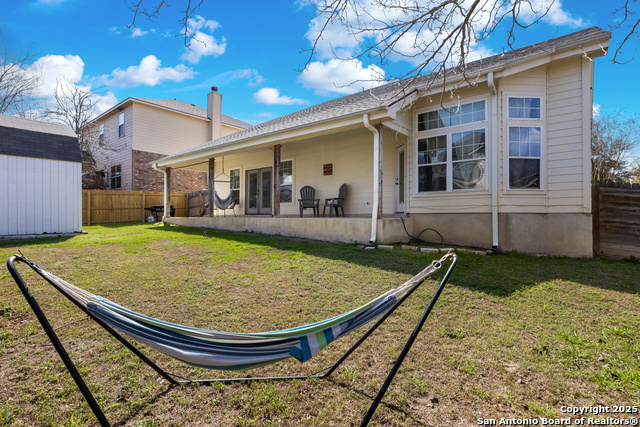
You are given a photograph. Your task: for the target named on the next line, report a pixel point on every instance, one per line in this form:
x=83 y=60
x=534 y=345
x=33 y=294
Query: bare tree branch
x=613 y=137
x=139 y=8
x=17 y=84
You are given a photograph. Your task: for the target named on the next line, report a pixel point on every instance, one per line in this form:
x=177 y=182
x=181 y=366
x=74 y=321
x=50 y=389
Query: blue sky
x=253 y=53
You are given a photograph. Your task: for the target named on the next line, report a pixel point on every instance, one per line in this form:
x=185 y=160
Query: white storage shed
x=40 y=178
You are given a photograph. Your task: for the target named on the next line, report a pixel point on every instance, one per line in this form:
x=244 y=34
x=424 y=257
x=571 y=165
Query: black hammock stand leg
x=329 y=370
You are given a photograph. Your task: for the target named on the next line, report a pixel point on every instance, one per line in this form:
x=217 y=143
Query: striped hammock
x=233 y=351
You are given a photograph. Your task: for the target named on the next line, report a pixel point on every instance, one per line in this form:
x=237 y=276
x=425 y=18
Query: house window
x=286 y=181
x=524 y=108
x=525 y=147
x=468 y=159
x=101 y=134
x=452 y=149
x=432 y=163
x=465 y=113
x=121 y=124
x=234 y=178
x=116 y=176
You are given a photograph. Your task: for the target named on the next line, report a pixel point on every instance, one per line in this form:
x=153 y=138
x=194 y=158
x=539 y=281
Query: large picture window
x=286 y=181
x=468 y=158
x=465 y=113
x=452 y=152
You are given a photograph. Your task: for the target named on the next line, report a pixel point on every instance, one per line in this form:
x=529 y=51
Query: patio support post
x=276 y=180
x=212 y=174
x=167 y=192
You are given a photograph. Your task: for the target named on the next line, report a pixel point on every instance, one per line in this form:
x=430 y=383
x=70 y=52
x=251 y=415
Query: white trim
x=529 y=123
x=447 y=131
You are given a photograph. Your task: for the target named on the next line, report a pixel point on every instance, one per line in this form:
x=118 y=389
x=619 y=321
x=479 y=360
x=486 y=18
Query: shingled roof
x=194 y=110
x=386 y=95
x=42 y=140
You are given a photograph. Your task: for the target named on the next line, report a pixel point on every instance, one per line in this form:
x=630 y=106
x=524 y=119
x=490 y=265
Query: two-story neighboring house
x=138 y=131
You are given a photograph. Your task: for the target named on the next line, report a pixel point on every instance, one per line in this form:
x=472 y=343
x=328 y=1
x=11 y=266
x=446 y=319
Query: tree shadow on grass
x=498 y=275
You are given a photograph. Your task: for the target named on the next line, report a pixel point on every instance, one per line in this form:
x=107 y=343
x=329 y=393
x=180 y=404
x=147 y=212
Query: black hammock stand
x=323 y=373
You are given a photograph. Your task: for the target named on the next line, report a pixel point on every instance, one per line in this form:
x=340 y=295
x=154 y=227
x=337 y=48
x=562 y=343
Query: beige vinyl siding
x=565 y=140
x=164 y=132
x=559 y=85
x=226 y=130
x=350 y=153
x=117 y=150
x=532 y=83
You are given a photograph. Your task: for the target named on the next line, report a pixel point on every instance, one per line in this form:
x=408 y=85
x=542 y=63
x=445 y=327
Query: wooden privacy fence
x=197 y=203
x=101 y=207
x=616 y=219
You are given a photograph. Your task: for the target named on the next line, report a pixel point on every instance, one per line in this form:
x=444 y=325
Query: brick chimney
x=214 y=112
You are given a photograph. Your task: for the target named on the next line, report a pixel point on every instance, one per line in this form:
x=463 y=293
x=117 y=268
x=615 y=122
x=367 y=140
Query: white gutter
x=495 y=158
x=376 y=176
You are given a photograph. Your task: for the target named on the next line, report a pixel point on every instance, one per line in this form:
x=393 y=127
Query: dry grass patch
x=512 y=336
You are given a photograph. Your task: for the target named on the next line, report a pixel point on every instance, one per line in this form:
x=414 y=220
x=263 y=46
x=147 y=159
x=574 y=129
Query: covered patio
x=328 y=229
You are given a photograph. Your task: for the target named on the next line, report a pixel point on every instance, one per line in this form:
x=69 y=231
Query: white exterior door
x=258 y=192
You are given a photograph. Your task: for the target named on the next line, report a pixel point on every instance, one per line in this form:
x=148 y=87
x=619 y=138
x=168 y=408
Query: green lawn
x=512 y=336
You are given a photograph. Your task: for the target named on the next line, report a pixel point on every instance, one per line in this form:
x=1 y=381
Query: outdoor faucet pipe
x=376 y=176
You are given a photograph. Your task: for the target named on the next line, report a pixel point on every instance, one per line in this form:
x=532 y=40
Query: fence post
x=88 y=207
x=142 y=207
x=595 y=215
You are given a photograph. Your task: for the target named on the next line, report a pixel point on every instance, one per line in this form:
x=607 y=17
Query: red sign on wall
x=327 y=169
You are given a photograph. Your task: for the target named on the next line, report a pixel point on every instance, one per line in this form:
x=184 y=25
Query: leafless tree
x=76 y=106
x=151 y=9
x=613 y=137
x=17 y=84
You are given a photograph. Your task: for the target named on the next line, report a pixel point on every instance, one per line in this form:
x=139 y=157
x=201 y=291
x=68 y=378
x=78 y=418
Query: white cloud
x=271 y=96
x=201 y=43
x=53 y=68
x=343 y=77
x=148 y=73
x=596 y=110
x=137 y=32
x=363 y=25
x=65 y=70
x=50 y=2
x=255 y=79
x=555 y=15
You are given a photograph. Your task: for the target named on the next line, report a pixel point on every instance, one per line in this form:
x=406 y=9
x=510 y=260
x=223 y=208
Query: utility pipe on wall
x=376 y=161
x=494 y=158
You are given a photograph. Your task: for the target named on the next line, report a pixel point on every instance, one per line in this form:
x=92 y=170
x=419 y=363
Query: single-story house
x=500 y=159
x=41 y=176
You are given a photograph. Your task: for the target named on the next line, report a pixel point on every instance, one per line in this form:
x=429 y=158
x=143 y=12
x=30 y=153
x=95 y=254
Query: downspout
x=495 y=158
x=376 y=161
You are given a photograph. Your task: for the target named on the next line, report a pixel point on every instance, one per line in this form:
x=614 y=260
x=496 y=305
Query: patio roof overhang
x=198 y=159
